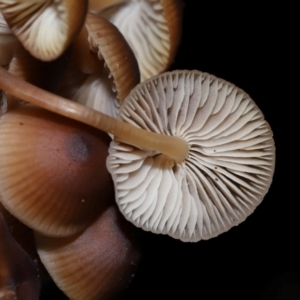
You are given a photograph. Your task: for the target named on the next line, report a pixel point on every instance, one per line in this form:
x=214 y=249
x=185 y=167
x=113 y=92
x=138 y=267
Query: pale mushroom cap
x=45 y=28
x=152 y=28
x=230 y=165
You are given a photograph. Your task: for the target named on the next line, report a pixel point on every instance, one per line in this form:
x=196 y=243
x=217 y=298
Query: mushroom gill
x=228 y=170
x=45 y=28
x=152 y=28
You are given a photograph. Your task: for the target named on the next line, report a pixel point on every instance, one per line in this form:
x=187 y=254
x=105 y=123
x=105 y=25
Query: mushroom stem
x=98 y=5
x=174 y=147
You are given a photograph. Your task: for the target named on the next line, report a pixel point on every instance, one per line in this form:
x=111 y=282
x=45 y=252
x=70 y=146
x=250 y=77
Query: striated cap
x=228 y=170
x=97 y=263
x=52 y=170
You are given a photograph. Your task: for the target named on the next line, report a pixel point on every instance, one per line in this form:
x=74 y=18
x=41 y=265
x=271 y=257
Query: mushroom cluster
x=93 y=131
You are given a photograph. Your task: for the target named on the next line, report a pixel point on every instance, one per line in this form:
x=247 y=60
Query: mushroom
x=97 y=263
x=52 y=170
x=152 y=28
x=228 y=170
x=210 y=156
x=108 y=72
x=45 y=28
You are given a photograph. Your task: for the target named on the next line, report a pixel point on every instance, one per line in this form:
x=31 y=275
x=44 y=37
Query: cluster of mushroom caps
x=190 y=155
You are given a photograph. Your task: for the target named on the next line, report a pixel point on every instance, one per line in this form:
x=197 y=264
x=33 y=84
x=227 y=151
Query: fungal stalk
x=173 y=147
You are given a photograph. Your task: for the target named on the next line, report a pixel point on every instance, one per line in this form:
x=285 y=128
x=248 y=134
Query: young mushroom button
x=226 y=174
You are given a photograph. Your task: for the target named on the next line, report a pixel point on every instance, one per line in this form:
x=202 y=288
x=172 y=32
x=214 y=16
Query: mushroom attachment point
x=228 y=170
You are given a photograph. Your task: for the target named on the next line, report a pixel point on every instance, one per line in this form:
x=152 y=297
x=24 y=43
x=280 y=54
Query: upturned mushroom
x=152 y=28
x=200 y=146
x=228 y=169
x=103 y=69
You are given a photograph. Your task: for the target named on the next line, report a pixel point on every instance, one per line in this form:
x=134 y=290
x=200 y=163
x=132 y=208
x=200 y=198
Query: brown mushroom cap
x=52 y=170
x=45 y=28
x=95 y=264
x=228 y=170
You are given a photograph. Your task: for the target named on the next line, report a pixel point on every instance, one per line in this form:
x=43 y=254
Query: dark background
x=251 y=47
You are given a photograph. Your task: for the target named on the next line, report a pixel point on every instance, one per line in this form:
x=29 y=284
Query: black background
x=250 y=46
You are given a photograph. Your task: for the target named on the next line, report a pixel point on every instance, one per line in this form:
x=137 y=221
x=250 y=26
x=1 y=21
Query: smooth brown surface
x=96 y=264
x=53 y=171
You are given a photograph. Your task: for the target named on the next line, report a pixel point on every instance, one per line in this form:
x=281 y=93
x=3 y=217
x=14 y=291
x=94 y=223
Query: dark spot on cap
x=79 y=147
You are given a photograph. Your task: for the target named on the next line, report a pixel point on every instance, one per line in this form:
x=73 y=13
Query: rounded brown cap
x=96 y=264
x=228 y=170
x=45 y=28
x=52 y=170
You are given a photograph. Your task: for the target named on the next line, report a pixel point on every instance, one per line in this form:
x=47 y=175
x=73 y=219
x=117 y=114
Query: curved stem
x=172 y=146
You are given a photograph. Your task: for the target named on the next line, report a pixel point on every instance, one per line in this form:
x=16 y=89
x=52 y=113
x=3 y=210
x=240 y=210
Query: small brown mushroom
x=52 y=169
x=227 y=173
x=97 y=263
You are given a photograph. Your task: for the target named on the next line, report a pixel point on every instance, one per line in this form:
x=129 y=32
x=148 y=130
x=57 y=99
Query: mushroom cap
x=45 y=28
x=227 y=173
x=151 y=28
x=52 y=170
x=98 y=263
